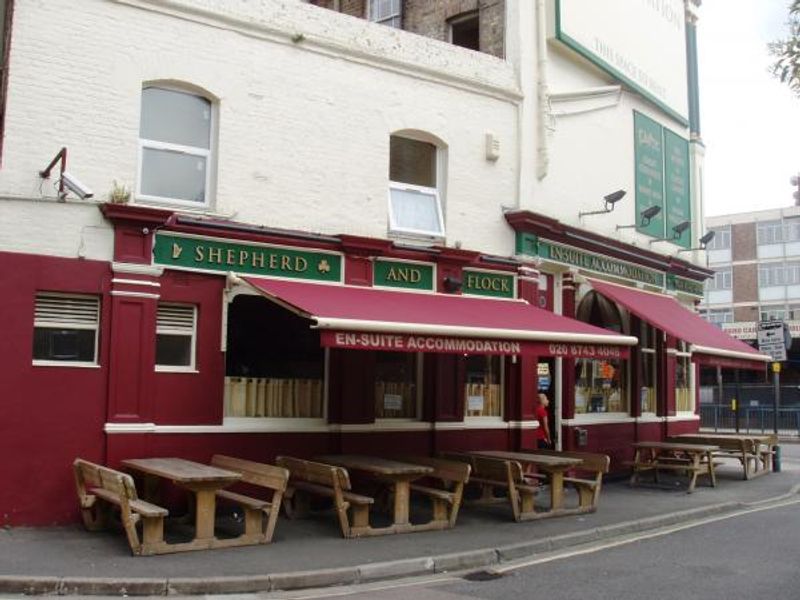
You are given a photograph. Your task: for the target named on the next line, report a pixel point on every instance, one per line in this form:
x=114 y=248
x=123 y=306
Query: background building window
x=414 y=200
x=778 y=274
x=386 y=12
x=396 y=385
x=722 y=280
x=65 y=329
x=718 y=317
x=483 y=390
x=722 y=239
x=176 y=332
x=465 y=30
x=174 y=147
x=773 y=313
x=770 y=232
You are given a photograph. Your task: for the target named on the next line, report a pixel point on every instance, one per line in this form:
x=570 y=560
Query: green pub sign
x=403 y=274
x=662 y=175
x=185 y=252
x=687 y=286
x=484 y=283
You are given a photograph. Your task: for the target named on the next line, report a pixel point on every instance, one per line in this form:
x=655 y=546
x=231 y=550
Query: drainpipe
x=542 y=92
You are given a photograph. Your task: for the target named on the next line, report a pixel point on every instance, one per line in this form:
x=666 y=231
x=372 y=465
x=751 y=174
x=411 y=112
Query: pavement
x=310 y=553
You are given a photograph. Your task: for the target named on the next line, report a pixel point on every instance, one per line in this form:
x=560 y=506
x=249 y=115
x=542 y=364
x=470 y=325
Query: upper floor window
x=718 y=317
x=722 y=280
x=415 y=205
x=779 y=274
x=176 y=332
x=175 y=149
x=388 y=12
x=465 y=30
x=776 y=232
x=772 y=313
x=722 y=239
x=65 y=329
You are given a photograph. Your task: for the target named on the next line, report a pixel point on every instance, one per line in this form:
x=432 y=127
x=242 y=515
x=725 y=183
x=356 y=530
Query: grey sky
x=750 y=122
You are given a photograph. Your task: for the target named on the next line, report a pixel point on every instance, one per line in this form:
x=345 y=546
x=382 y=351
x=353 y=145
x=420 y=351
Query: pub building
x=605 y=403
x=270 y=342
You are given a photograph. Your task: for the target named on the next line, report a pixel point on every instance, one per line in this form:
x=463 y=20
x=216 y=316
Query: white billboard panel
x=642 y=43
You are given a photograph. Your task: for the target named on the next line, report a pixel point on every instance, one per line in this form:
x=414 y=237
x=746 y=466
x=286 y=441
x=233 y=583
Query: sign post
x=774 y=339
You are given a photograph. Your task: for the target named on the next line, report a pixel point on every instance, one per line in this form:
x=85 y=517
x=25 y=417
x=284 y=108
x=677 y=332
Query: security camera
x=76 y=187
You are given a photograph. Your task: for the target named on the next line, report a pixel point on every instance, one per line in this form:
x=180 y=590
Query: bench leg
x=439 y=509
x=152 y=533
x=586 y=496
x=526 y=502
x=253 y=522
x=360 y=516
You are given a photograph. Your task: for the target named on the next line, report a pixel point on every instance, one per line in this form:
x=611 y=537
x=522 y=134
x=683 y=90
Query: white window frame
x=466 y=16
x=209 y=154
x=684 y=353
x=490 y=418
x=394 y=227
x=722 y=280
x=385 y=20
x=167 y=330
x=67 y=324
x=722 y=239
x=770 y=232
x=437 y=192
x=713 y=314
x=772 y=275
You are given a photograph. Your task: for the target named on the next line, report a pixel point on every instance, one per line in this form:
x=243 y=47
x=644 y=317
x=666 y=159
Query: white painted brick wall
x=303 y=126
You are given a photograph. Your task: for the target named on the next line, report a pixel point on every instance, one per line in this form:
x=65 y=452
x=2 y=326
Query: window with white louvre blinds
x=65 y=329
x=176 y=329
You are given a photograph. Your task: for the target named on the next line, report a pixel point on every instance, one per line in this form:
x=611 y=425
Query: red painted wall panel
x=194 y=398
x=50 y=414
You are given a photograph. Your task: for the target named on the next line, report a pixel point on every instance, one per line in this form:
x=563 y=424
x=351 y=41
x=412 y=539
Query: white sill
x=65 y=363
x=598 y=418
x=188 y=370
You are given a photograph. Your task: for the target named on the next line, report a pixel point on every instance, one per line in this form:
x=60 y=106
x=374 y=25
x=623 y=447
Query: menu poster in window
x=475 y=403
x=392 y=402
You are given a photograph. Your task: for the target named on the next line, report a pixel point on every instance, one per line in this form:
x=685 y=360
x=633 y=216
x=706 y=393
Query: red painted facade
x=54 y=414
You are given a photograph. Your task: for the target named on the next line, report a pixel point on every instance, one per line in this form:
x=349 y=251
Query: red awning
x=376 y=319
x=709 y=344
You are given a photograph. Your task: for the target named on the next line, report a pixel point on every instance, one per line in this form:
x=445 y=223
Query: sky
x=749 y=121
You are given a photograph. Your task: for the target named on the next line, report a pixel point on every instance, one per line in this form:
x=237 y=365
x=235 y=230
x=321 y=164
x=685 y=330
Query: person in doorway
x=543 y=439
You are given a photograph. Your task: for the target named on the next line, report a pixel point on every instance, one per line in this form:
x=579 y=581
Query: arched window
x=600 y=385
x=175 y=147
x=415 y=172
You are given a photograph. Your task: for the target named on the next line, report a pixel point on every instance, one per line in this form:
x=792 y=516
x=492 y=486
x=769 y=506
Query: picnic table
x=553 y=466
x=749 y=448
x=694 y=459
x=203 y=481
x=398 y=474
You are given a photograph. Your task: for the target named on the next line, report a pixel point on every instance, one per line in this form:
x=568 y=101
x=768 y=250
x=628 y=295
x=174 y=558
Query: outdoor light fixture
x=677 y=230
x=704 y=240
x=452 y=284
x=66 y=180
x=610 y=200
x=646 y=215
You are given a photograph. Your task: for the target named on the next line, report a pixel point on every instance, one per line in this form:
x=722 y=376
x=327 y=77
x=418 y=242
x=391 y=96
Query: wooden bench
x=752 y=452
x=446 y=499
x=692 y=459
x=260 y=515
x=101 y=490
x=588 y=478
x=327 y=481
x=493 y=473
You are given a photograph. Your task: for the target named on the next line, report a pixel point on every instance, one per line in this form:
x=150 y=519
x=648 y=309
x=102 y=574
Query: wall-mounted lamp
x=677 y=231
x=646 y=216
x=610 y=200
x=704 y=240
x=452 y=284
x=66 y=180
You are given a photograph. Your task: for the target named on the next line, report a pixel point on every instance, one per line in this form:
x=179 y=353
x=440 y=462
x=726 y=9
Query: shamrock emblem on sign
x=323 y=266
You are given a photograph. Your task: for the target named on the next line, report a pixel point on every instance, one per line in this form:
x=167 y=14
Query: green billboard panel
x=676 y=184
x=402 y=274
x=648 y=147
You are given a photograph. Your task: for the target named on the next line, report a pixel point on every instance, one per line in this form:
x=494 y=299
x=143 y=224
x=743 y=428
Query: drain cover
x=483 y=576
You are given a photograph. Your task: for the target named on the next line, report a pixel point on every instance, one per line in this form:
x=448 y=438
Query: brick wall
x=743 y=241
x=745 y=283
x=745 y=313
x=430 y=19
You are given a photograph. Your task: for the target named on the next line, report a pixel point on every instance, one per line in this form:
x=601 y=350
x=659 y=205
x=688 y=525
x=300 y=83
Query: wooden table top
x=180 y=470
x=374 y=464
x=542 y=460
x=676 y=446
x=764 y=438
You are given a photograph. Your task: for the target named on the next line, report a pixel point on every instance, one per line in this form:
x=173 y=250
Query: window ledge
x=64 y=363
x=598 y=419
x=187 y=370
